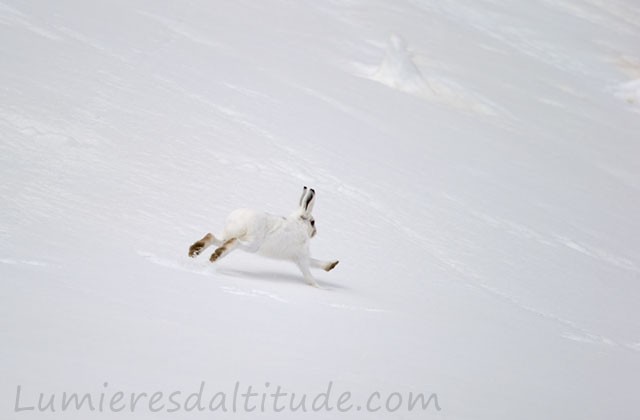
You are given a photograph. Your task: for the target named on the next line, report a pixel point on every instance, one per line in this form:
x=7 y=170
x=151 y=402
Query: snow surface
x=477 y=171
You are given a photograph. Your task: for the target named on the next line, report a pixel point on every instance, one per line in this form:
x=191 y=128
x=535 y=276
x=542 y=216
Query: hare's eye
x=313 y=222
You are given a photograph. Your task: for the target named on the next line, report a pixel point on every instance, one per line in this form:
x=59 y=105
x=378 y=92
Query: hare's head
x=307 y=200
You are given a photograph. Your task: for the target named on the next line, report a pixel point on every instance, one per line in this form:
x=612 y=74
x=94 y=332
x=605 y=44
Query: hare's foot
x=196 y=249
x=325 y=265
x=228 y=246
x=330 y=266
x=303 y=265
x=312 y=282
x=199 y=246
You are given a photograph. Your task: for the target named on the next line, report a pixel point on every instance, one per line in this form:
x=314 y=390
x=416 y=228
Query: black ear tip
x=313 y=191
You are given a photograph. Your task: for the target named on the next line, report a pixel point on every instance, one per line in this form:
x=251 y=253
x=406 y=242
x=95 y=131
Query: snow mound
x=399 y=71
x=630 y=92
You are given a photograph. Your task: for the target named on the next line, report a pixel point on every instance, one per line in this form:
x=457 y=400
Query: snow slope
x=476 y=164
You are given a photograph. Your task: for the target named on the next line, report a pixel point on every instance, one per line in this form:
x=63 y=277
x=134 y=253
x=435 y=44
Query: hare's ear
x=310 y=201
x=304 y=192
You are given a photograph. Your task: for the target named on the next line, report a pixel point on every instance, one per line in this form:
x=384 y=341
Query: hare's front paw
x=331 y=265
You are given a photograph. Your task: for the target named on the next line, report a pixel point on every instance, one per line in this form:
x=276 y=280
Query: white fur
x=284 y=238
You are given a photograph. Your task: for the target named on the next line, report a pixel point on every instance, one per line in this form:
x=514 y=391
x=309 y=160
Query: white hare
x=284 y=238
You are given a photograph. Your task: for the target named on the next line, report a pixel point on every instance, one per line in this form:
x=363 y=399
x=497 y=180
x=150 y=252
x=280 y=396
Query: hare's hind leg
x=325 y=265
x=202 y=244
x=228 y=246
